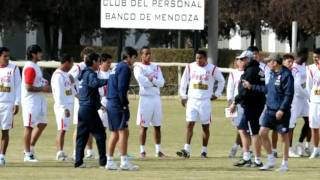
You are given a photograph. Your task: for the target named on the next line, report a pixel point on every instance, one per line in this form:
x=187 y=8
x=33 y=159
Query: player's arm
x=159 y=81
x=30 y=75
x=309 y=82
x=230 y=88
x=58 y=89
x=298 y=89
x=221 y=82
x=185 y=80
x=288 y=87
x=17 y=92
x=95 y=82
x=124 y=75
x=141 y=78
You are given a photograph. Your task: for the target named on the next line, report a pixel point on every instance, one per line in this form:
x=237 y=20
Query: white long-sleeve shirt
x=75 y=73
x=300 y=77
x=103 y=91
x=143 y=73
x=264 y=67
x=200 y=81
x=10 y=84
x=62 y=89
x=313 y=83
x=233 y=83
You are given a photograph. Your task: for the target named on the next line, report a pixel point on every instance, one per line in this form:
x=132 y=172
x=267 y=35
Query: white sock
x=235 y=146
x=274 y=150
x=158 y=148
x=142 y=149
x=204 y=149
x=290 y=149
x=2 y=156
x=315 y=150
x=187 y=147
x=307 y=145
x=60 y=152
x=257 y=160
x=270 y=157
x=284 y=162
x=74 y=152
x=32 y=149
x=27 y=153
x=246 y=156
x=89 y=151
x=124 y=159
x=109 y=158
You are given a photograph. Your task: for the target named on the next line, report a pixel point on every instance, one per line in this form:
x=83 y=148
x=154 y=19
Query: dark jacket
x=255 y=76
x=118 y=86
x=280 y=90
x=88 y=90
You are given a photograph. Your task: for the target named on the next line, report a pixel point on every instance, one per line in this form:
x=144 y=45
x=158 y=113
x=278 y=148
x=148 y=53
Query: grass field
x=217 y=166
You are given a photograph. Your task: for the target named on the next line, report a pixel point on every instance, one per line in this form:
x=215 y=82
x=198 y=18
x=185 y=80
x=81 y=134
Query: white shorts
x=34 y=113
x=149 y=111
x=104 y=117
x=6 y=116
x=198 y=110
x=314 y=115
x=299 y=108
x=236 y=121
x=63 y=122
x=76 y=108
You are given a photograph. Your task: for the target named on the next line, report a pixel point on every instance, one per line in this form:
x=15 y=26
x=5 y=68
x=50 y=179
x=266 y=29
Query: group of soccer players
x=263 y=95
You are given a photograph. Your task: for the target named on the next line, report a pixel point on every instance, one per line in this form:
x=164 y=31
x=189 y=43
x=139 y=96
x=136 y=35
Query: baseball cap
x=246 y=54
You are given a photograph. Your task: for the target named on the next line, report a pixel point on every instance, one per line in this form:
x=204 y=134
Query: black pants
x=90 y=122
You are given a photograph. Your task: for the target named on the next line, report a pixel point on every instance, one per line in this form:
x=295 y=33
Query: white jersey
x=143 y=73
x=104 y=89
x=300 y=77
x=313 y=83
x=200 y=81
x=75 y=73
x=38 y=81
x=10 y=84
x=233 y=83
x=264 y=67
x=62 y=89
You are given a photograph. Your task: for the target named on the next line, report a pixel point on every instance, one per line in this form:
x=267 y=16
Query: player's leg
x=142 y=140
x=190 y=126
x=144 y=115
x=3 y=146
x=156 y=122
x=205 y=139
x=90 y=152
x=304 y=134
x=36 y=133
x=60 y=145
x=82 y=139
x=274 y=141
x=6 y=120
x=315 y=125
x=286 y=143
x=98 y=131
x=264 y=134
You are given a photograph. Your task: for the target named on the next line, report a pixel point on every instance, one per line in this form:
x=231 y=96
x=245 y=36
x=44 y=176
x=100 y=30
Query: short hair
x=33 y=49
x=91 y=58
x=202 y=52
x=3 y=49
x=129 y=52
x=66 y=58
x=144 y=47
x=317 y=51
x=288 y=56
x=253 y=49
x=105 y=56
x=86 y=51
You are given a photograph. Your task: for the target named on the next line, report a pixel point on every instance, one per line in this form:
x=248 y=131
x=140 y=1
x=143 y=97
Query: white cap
x=246 y=54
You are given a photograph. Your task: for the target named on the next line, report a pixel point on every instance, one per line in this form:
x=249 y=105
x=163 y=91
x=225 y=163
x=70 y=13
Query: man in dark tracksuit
x=88 y=117
x=253 y=104
x=280 y=91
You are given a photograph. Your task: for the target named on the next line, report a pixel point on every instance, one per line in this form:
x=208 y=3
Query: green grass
x=218 y=166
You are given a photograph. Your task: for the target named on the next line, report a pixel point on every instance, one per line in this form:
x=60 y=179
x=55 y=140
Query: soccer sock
x=90 y=152
x=204 y=149
x=124 y=159
x=307 y=145
x=235 y=146
x=142 y=149
x=187 y=147
x=257 y=160
x=274 y=150
x=246 y=156
x=270 y=157
x=1 y=156
x=315 y=150
x=284 y=163
x=109 y=158
x=158 y=148
x=32 y=149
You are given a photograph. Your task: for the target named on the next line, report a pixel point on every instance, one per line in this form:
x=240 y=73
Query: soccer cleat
x=269 y=165
x=314 y=155
x=233 y=152
x=204 y=155
x=183 y=153
x=143 y=155
x=300 y=150
x=2 y=162
x=283 y=168
x=61 y=156
x=275 y=154
x=129 y=167
x=111 y=165
x=243 y=163
x=257 y=165
x=30 y=158
x=160 y=155
x=293 y=154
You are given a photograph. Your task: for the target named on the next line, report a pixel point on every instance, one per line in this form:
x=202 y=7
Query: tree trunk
x=253 y=36
x=54 y=48
x=47 y=38
x=258 y=37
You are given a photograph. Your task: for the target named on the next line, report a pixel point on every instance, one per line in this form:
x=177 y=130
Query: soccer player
x=313 y=88
x=10 y=93
x=75 y=72
x=63 y=92
x=118 y=110
x=200 y=76
x=232 y=92
x=253 y=104
x=89 y=120
x=280 y=92
x=150 y=80
x=34 y=104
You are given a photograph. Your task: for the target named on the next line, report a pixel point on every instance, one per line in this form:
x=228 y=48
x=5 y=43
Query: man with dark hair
x=10 y=93
x=34 y=104
x=280 y=91
x=63 y=91
x=196 y=92
x=75 y=72
x=88 y=117
x=313 y=88
x=118 y=110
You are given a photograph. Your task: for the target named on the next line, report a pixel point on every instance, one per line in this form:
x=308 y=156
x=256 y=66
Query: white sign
x=153 y=14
